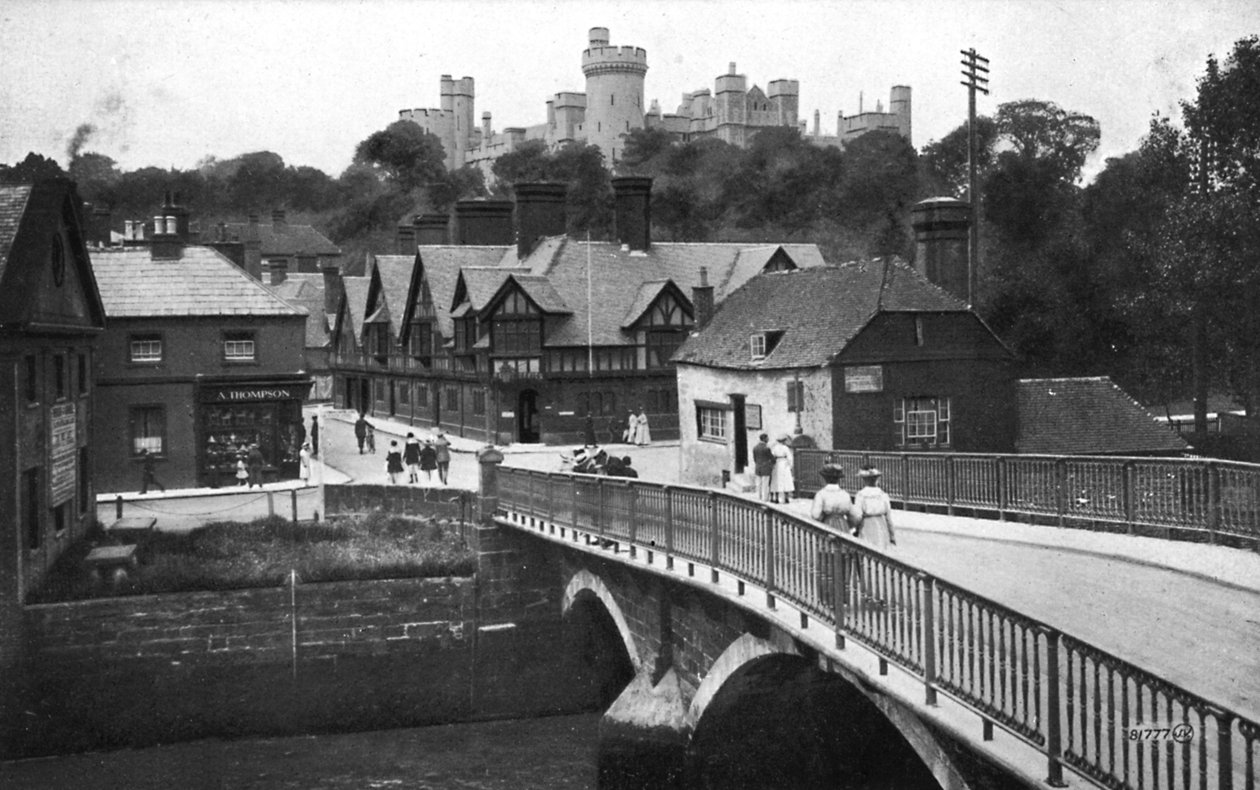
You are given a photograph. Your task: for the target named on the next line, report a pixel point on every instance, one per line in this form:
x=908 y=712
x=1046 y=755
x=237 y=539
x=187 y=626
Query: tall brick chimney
x=432 y=229
x=167 y=242
x=633 y=215
x=253 y=247
x=406 y=235
x=334 y=287
x=940 y=243
x=702 y=300
x=539 y=213
x=485 y=222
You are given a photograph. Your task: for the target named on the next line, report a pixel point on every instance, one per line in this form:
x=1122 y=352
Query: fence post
x=118 y=507
x=905 y=481
x=1054 y=737
x=1214 y=500
x=927 y=585
x=1003 y=487
x=715 y=545
x=767 y=519
x=1127 y=473
x=669 y=528
x=599 y=507
x=488 y=458
x=633 y=530
x=1224 y=749
x=951 y=484
x=838 y=587
x=293 y=502
x=1061 y=493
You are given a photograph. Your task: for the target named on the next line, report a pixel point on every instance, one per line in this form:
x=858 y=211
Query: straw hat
x=869 y=472
x=831 y=472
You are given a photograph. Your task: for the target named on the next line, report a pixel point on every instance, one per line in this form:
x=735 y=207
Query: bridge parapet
x=1074 y=703
x=1191 y=498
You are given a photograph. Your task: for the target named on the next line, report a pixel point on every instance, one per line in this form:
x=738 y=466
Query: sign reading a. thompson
x=250 y=393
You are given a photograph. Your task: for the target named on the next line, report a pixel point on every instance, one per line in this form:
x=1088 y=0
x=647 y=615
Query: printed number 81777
x=1181 y=733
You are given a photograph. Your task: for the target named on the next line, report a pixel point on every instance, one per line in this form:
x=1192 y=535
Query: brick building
x=199 y=359
x=864 y=355
x=519 y=342
x=50 y=316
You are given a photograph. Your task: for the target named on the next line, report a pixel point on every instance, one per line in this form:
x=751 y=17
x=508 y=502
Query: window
x=145 y=348
x=30 y=507
x=796 y=396
x=61 y=517
x=238 y=346
x=517 y=337
x=32 y=378
x=148 y=429
x=923 y=421
x=661 y=345
x=451 y=399
x=757 y=346
x=422 y=395
x=83 y=374
x=420 y=341
x=59 y=375
x=404 y=393
x=711 y=423
x=479 y=401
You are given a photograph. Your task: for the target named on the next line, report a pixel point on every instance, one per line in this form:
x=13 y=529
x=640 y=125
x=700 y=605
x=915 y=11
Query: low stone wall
x=454 y=504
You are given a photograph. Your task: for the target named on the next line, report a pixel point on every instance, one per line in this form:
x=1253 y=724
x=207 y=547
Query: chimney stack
x=406 y=238
x=167 y=242
x=334 y=287
x=940 y=243
x=539 y=213
x=484 y=222
x=633 y=214
x=252 y=243
x=431 y=229
x=702 y=300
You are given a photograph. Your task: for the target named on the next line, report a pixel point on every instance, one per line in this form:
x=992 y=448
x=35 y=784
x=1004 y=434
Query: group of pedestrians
x=416 y=456
x=772 y=466
x=866 y=514
x=638 y=431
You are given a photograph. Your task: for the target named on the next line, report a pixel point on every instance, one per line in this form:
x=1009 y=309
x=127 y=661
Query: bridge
x=716 y=603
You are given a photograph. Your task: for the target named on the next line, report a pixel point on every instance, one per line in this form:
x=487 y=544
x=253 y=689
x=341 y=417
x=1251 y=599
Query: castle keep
x=612 y=106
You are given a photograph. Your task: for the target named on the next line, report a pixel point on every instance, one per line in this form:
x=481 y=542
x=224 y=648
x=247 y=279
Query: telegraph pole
x=976 y=70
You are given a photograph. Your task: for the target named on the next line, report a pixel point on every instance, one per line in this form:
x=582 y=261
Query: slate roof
x=642 y=301
x=539 y=289
x=200 y=282
x=394 y=272
x=284 y=241
x=307 y=291
x=442 y=265
x=356 y=303
x=818 y=310
x=1088 y=416
x=13 y=201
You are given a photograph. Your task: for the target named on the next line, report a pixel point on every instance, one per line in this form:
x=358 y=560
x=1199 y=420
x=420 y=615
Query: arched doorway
x=527 y=417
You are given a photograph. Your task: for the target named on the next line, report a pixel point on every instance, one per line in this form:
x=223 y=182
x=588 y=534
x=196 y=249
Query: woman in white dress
x=782 y=484
x=304 y=463
x=872 y=512
x=832 y=504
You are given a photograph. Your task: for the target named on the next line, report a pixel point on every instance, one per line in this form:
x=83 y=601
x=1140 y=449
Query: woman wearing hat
x=872 y=512
x=832 y=504
x=782 y=484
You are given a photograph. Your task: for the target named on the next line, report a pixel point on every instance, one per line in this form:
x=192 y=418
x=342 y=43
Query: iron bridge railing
x=1112 y=721
x=1193 y=498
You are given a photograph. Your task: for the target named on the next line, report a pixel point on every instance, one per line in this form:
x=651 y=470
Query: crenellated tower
x=614 y=93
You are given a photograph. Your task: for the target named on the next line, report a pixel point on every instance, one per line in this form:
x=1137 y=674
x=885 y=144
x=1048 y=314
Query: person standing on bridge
x=872 y=512
x=782 y=483
x=832 y=504
x=443 y=447
x=763 y=466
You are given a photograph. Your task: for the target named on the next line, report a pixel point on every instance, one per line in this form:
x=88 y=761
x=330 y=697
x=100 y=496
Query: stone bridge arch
x=586 y=582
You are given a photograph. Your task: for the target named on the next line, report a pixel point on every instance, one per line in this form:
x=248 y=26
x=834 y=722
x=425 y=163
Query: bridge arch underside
x=722 y=698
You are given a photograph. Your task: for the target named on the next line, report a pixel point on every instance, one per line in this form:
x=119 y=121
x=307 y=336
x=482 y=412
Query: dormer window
x=760 y=344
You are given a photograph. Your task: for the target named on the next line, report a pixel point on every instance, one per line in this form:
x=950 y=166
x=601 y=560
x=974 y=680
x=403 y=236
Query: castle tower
x=464 y=121
x=900 y=107
x=614 y=93
x=730 y=106
x=445 y=129
x=785 y=98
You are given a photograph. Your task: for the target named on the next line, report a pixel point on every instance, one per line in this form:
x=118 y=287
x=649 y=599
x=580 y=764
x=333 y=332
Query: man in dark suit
x=763 y=465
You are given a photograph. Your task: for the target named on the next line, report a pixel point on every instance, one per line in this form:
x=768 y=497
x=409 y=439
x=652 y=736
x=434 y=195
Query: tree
x=644 y=151
x=943 y=163
x=405 y=155
x=1043 y=132
x=1224 y=119
x=589 y=203
x=35 y=167
x=878 y=186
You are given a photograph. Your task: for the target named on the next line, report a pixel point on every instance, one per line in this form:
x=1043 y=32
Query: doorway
x=741 y=433
x=527 y=417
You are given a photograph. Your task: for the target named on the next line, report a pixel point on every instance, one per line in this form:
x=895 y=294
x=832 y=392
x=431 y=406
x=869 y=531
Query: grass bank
x=232 y=555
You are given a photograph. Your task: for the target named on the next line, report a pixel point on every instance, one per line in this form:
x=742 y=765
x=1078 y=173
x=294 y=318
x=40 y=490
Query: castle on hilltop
x=612 y=107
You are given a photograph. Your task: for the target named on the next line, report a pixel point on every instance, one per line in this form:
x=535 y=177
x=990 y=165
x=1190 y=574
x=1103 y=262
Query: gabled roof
x=480 y=285
x=817 y=310
x=356 y=301
x=539 y=289
x=646 y=295
x=393 y=273
x=285 y=240
x=440 y=266
x=32 y=292
x=1088 y=416
x=201 y=282
x=307 y=291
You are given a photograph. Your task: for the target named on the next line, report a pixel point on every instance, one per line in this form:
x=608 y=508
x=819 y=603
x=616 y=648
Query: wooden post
x=767 y=519
x=715 y=544
x=927 y=588
x=669 y=528
x=839 y=587
x=293 y=502
x=1054 y=748
x=951 y=484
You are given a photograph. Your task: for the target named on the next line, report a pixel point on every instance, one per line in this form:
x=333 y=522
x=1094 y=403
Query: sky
x=170 y=83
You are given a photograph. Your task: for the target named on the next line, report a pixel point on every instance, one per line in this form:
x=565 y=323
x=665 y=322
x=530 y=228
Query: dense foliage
x=1137 y=275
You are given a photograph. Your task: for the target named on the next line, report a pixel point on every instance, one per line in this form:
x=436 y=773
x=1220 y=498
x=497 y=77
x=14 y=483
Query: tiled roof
x=356 y=302
x=199 y=282
x=818 y=310
x=647 y=294
x=285 y=240
x=481 y=284
x=12 y=206
x=1087 y=416
x=307 y=291
x=395 y=274
x=539 y=289
x=442 y=265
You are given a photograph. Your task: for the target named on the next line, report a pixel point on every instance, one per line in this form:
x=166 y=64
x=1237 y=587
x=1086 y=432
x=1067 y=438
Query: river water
x=556 y=752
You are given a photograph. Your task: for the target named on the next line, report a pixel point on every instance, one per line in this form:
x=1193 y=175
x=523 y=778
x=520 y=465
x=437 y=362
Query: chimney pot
x=702 y=300
x=633 y=211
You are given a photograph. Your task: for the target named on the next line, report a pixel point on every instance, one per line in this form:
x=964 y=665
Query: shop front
x=234 y=415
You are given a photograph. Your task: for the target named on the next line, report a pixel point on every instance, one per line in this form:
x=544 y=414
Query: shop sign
x=864 y=378
x=63 y=443
x=247 y=393
x=752 y=416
